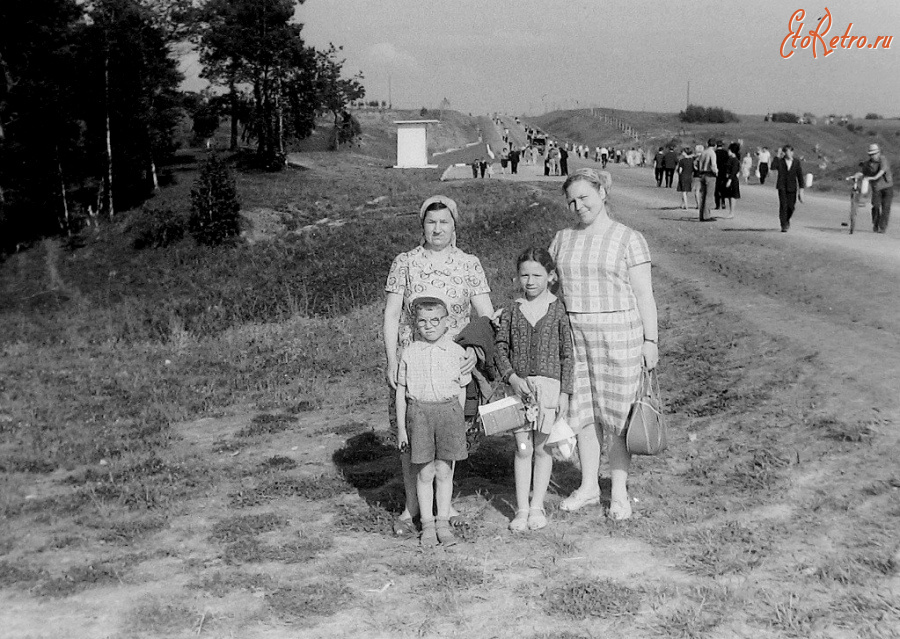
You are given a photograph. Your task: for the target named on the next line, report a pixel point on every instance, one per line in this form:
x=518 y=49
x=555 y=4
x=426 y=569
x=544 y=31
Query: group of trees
x=697 y=113
x=255 y=43
x=89 y=98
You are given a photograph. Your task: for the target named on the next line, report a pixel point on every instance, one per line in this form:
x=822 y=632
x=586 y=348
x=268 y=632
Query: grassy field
x=193 y=442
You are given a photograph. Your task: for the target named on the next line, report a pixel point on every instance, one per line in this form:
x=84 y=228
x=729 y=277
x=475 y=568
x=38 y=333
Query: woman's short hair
x=597 y=179
x=735 y=148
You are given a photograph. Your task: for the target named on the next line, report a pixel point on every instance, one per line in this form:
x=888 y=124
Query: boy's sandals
x=620 y=510
x=429 y=534
x=577 y=501
x=519 y=523
x=537 y=519
x=444 y=534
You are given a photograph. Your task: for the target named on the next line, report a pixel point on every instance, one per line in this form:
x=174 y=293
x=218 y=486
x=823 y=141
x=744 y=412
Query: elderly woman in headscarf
x=436 y=266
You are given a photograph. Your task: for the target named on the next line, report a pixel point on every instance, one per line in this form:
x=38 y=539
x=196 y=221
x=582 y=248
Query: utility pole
x=688 y=95
x=390 y=101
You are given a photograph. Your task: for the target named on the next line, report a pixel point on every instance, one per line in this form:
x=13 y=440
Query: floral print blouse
x=450 y=274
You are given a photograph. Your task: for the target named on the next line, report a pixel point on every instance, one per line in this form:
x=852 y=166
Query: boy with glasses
x=431 y=394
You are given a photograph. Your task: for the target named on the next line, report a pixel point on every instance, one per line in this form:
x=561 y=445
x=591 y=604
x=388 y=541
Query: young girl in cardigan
x=534 y=355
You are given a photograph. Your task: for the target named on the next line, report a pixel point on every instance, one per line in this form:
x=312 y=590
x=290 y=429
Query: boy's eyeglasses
x=434 y=321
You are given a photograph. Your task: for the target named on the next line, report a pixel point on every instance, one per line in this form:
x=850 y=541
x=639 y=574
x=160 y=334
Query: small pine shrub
x=157 y=228
x=215 y=210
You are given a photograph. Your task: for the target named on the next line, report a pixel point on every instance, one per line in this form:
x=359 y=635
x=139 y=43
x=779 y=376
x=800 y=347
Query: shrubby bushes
x=157 y=228
x=717 y=115
x=785 y=116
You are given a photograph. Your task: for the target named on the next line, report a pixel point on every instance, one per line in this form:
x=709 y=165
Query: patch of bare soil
x=773 y=514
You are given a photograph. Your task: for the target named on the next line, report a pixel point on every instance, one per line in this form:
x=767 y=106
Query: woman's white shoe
x=576 y=501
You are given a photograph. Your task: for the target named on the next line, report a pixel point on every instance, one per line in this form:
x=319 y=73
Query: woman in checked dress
x=604 y=273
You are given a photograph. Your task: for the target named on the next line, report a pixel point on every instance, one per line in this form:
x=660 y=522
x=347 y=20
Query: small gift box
x=502 y=415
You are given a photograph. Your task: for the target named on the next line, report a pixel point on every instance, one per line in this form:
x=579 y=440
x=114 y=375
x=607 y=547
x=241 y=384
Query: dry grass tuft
x=582 y=598
x=251 y=550
x=310 y=488
x=266 y=424
x=242 y=526
x=371 y=519
x=224 y=582
x=312 y=600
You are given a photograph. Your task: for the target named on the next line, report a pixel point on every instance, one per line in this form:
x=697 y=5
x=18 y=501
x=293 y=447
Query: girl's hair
x=539 y=255
x=597 y=179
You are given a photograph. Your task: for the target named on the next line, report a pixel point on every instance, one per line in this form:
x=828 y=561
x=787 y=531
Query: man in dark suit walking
x=722 y=175
x=670 y=163
x=789 y=185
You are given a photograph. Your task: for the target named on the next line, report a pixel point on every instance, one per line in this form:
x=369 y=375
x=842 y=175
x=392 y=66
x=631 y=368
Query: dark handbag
x=645 y=432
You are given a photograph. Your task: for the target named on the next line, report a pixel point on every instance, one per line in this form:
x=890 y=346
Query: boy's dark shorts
x=437 y=430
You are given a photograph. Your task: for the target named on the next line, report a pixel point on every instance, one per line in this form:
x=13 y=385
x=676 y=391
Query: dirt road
x=836 y=294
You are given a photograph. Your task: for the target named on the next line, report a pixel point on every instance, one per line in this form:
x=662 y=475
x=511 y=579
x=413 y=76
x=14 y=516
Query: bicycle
x=856 y=192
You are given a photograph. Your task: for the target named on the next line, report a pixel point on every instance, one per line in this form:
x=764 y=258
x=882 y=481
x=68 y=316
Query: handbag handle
x=649 y=384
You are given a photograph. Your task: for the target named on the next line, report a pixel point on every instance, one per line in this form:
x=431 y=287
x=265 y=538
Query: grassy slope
x=379 y=137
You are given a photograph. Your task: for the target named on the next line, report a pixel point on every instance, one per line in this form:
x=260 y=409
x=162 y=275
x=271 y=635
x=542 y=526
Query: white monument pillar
x=412 y=144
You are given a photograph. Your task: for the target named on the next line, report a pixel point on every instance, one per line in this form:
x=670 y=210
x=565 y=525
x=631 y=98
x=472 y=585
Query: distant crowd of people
x=708 y=177
x=719 y=169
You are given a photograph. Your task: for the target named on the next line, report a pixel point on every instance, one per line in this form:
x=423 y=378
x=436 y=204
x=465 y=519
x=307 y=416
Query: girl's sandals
x=519 y=523
x=620 y=510
x=444 y=534
x=429 y=535
x=537 y=519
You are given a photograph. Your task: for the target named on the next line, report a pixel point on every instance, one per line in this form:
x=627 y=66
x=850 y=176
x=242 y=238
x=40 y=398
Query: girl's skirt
x=607 y=368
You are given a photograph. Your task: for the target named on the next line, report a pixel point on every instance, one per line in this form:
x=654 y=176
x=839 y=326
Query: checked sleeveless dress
x=606 y=326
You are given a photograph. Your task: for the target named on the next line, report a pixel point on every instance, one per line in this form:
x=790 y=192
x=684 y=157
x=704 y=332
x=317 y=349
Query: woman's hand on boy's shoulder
x=495 y=318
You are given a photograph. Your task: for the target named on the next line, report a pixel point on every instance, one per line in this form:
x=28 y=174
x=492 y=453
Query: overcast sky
x=527 y=56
